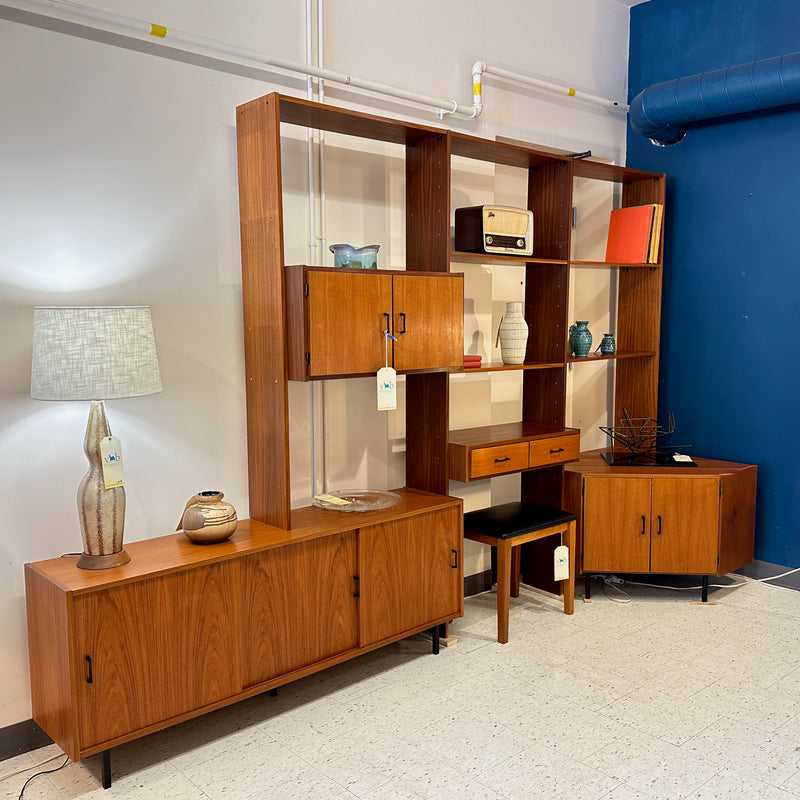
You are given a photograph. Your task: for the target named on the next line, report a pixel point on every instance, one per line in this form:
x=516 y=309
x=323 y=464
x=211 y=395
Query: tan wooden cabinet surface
x=336 y=319
x=183 y=629
x=670 y=520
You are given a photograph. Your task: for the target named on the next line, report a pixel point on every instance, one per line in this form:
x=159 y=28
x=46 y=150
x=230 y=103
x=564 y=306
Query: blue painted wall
x=730 y=355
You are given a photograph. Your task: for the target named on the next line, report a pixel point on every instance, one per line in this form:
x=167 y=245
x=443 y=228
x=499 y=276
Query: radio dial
x=520 y=243
x=489 y=240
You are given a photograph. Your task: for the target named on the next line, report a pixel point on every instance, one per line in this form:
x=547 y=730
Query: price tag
x=111 y=453
x=561 y=563
x=387 y=389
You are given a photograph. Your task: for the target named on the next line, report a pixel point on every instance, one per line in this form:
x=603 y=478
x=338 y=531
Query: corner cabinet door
x=346 y=315
x=301 y=605
x=151 y=650
x=685 y=525
x=616 y=524
x=428 y=321
x=411 y=573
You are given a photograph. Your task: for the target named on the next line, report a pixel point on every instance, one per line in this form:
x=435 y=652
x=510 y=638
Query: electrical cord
x=43 y=772
x=29 y=767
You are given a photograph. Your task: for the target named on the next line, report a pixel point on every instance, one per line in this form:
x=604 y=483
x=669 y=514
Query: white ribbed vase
x=513 y=334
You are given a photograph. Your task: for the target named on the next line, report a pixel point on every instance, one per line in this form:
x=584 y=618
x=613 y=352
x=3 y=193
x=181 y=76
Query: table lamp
x=96 y=353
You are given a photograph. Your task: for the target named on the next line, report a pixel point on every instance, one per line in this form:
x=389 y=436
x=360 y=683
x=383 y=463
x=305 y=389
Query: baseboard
x=477 y=583
x=21 y=737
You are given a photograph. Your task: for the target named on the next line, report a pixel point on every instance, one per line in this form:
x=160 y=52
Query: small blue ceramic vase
x=580 y=338
x=608 y=345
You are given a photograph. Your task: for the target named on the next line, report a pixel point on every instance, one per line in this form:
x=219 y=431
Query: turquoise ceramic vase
x=580 y=338
x=608 y=345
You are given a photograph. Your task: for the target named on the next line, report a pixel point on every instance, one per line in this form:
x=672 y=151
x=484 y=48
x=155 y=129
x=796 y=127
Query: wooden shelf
x=499 y=366
x=497 y=258
x=615 y=356
x=609 y=265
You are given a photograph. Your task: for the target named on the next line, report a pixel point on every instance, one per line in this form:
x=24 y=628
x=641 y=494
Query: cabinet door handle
x=357 y=592
x=403 y=320
x=455 y=559
x=560 y=450
x=501 y=460
x=387 y=319
x=90 y=676
x=659 y=525
x=643 y=520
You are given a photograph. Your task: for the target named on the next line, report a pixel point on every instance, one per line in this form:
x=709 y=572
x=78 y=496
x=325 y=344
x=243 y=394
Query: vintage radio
x=494 y=229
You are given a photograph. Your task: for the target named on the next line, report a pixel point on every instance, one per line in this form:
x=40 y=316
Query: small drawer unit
x=476 y=453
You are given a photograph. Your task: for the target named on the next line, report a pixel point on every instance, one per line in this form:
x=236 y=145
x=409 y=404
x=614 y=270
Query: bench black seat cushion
x=513 y=519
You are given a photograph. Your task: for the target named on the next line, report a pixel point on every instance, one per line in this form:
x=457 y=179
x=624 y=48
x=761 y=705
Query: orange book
x=630 y=231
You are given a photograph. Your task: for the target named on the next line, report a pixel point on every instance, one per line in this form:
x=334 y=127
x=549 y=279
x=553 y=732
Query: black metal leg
x=434 y=632
x=273 y=692
x=587 y=589
x=705 y=589
x=106 y=769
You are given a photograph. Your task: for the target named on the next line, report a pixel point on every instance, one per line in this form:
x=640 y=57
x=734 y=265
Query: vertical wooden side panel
x=737 y=519
x=546 y=305
x=48 y=652
x=427 y=427
x=428 y=204
x=544 y=396
x=263 y=298
x=550 y=199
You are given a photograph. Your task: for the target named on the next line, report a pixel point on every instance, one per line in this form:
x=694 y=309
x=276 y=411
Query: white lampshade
x=93 y=353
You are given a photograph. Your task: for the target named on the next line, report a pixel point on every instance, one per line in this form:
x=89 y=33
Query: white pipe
x=141 y=30
x=548 y=86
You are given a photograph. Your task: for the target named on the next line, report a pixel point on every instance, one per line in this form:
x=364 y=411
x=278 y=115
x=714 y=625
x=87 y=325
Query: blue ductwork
x=661 y=112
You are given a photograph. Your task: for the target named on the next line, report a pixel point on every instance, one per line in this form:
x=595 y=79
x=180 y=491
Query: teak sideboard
x=184 y=629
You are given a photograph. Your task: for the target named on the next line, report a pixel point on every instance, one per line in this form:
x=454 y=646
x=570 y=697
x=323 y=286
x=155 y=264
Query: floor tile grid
x=617 y=702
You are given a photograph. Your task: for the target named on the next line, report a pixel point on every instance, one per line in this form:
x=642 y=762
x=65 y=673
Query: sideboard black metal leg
x=434 y=632
x=705 y=589
x=273 y=692
x=106 y=769
x=587 y=589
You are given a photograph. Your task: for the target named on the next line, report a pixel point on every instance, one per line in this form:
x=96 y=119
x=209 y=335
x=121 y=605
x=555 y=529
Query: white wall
x=118 y=175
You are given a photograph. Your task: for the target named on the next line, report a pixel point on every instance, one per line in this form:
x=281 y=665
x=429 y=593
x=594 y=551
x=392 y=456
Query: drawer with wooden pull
x=488 y=461
x=555 y=450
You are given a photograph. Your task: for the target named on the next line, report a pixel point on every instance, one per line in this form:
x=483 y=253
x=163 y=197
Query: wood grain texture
x=428 y=204
x=263 y=304
x=684 y=533
x=49 y=632
x=499 y=460
x=616 y=524
x=544 y=395
x=410 y=572
x=301 y=606
x=431 y=332
x=546 y=302
x=550 y=199
x=427 y=420
x=737 y=518
x=158 y=648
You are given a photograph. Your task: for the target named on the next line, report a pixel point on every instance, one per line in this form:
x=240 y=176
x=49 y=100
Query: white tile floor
x=658 y=698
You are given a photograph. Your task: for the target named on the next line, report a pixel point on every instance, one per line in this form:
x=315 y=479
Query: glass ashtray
x=355 y=500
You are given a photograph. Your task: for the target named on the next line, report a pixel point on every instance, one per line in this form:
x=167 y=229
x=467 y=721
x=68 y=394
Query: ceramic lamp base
x=87 y=561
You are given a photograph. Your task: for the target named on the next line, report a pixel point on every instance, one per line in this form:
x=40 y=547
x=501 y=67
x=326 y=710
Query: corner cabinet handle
x=643 y=520
x=387 y=320
x=403 y=318
x=455 y=559
x=357 y=592
x=659 y=525
x=90 y=675
x=501 y=460
x=560 y=450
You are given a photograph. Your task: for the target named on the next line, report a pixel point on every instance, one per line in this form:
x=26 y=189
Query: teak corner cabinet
x=114 y=653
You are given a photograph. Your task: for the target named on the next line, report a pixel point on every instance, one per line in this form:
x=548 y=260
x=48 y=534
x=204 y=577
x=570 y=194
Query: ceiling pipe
x=97 y=19
x=480 y=68
x=663 y=111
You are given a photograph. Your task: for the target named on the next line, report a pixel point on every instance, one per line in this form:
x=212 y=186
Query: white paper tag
x=111 y=453
x=683 y=458
x=333 y=500
x=561 y=563
x=387 y=389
